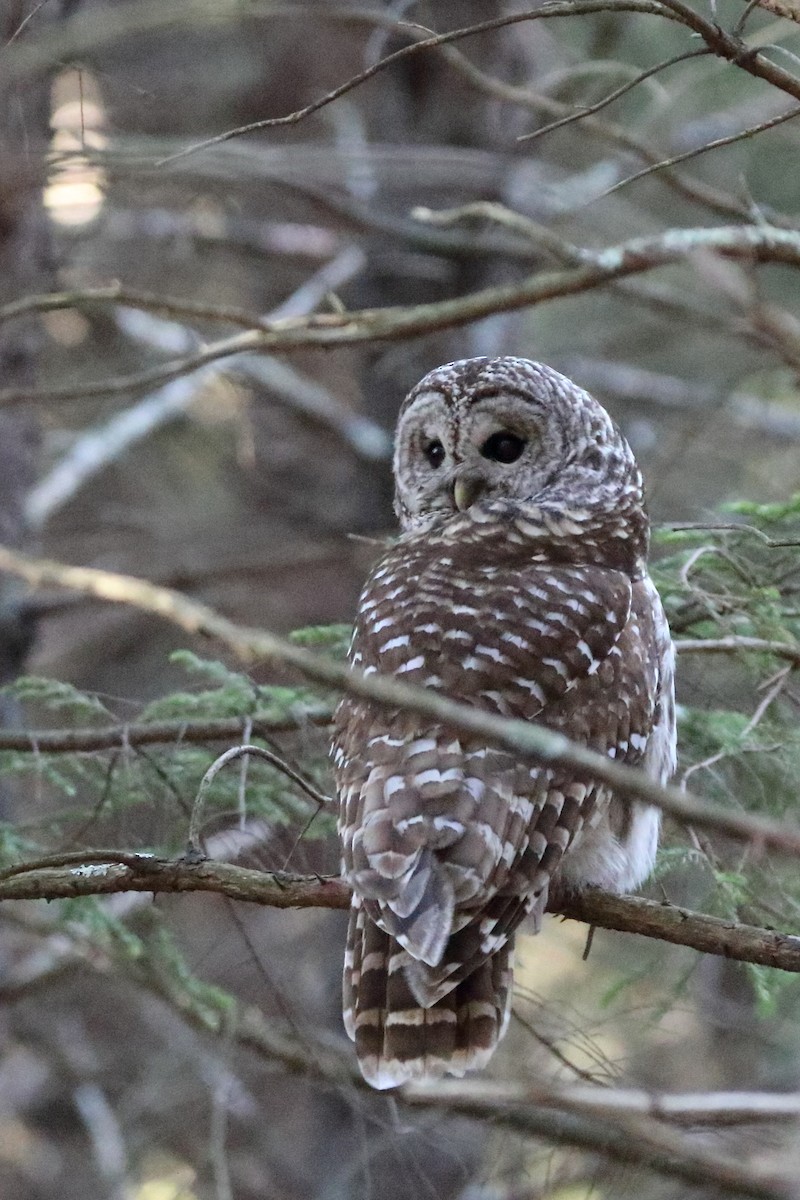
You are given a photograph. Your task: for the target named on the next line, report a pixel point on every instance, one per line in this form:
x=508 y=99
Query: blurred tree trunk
x=25 y=268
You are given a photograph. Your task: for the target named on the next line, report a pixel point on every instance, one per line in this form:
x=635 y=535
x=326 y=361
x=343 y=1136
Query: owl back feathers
x=524 y=611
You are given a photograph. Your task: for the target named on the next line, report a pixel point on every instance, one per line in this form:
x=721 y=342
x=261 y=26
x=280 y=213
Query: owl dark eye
x=503 y=447
x=434 y=452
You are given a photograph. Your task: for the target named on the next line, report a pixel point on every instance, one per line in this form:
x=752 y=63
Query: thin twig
x=556 y=8
x=707 y=1109
x=730 y=140
x=692 y=188
x=630 y=1139
x=733 y=645
x=127 y=297
x=622 y=90
x=96 y=449
x=235 y=752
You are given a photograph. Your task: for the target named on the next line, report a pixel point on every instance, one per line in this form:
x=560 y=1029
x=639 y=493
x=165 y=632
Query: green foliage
x=54 y=696
x=235 y=695
x=739 y=733
x=735 y=580
x=335 y=639
x=89 y=918
x=102 y=793
x=768 y=514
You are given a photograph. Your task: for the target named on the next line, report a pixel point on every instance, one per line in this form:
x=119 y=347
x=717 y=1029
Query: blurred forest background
x=141 y=434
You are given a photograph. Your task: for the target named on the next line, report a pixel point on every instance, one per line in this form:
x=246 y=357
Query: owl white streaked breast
x=519 y=585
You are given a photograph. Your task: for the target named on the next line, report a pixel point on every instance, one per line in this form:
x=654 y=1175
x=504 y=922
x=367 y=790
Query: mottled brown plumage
x=519 y=586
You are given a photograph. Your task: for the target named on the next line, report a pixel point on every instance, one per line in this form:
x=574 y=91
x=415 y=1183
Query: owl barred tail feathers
x=519 y=586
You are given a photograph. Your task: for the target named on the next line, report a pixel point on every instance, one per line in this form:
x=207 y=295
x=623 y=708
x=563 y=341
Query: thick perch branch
x=85 y=873
x=526 y=739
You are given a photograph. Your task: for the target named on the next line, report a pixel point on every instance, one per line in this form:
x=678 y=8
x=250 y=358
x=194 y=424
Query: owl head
x=508 y=440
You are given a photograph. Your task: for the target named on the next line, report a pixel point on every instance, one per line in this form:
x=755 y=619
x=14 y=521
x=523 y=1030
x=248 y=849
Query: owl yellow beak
x=467 y=489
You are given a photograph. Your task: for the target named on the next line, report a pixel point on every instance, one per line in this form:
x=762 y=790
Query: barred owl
x=519 y=585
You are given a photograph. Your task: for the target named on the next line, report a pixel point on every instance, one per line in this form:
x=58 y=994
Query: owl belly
x=617 y=854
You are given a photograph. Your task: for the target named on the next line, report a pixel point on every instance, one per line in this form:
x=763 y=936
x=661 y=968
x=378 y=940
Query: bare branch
x=639 y=1140
x=226 y=729
x=96 y=449
x=730 y=140
x=731 y=47
x=556 y=8
x=733 y=645
x=157 y=733
x=526 y=739
x=116 y=293
x=231 y=755
x=761 y=243
x=103 y=873
x=682 y=927
x=618 y=1124
x=692 y=188
x=636 y=1140
x=708 y=1109
x=110 y=872
x=622 y=90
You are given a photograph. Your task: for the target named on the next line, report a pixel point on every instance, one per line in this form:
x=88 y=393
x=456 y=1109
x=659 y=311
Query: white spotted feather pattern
x=530 y=600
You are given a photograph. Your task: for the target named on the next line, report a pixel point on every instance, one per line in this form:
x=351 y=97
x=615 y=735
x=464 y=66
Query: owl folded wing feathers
x=436 y=826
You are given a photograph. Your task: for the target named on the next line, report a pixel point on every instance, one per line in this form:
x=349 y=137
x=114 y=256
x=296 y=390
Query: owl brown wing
x=434 y=825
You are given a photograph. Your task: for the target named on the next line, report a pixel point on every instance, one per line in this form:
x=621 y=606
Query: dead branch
x=156 y=733
x=666 y=164
x=755 y=243
x=556 y=8
x=636 y=1140
x=707 y=1109
x=228 y=729
x=110 y=872
x=622 y=90
x=733 y=645
x=525 y=739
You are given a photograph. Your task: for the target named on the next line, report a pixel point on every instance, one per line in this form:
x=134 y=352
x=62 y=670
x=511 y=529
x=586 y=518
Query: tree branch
x=682 y=927
x=709 y=1109
x=157 y=733
x=526 y=739
x=733 y=645
x=227 y=729
x=108 y=872
x=555 y=8
x=731 y=47
x=638 y=1140
x=753 y=243
x=620 y=1124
